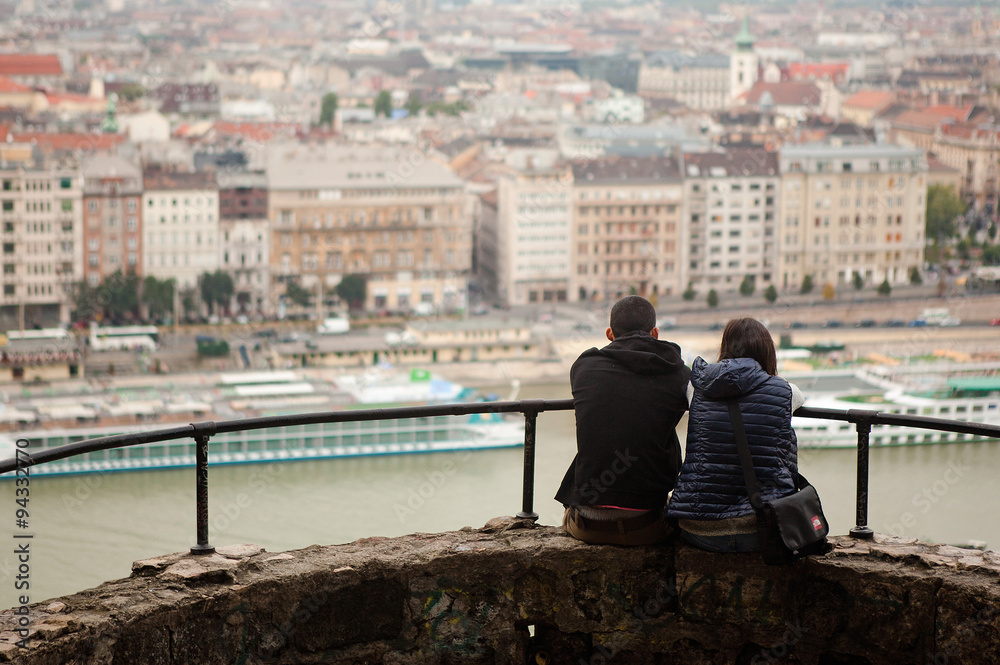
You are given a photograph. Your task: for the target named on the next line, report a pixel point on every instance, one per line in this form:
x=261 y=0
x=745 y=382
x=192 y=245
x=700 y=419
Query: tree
x=689 y=292
x=807 y=284
x=353 y=289
x=131 y=92
x=943 y=206
x=829 y=291
x=413 y=104
x=158 y=296
x=189 y=302
x=859 y=281
x=712 y=299
x=216 y=288
x=119 y=295
x=771 y=294
x=383 y=103
x=86 y=303
x=884 y=289
x=297 y=294
x=915 y=277
x=747 y=286
x=328 y=108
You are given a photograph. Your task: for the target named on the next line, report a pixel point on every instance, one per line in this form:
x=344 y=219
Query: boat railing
x=201 y=432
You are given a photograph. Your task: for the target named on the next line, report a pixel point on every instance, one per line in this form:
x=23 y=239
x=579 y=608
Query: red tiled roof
x=816 y=70
x=785 y=93
x=70 y=141
x=3 y=133
x=8 y=85
x=29 y=64
x=254 y=131
x=869 y=99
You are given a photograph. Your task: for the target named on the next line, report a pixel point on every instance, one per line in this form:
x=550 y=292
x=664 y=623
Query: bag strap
x=746 y=461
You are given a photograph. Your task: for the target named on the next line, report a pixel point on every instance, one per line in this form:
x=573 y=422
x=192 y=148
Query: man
x=628 y=397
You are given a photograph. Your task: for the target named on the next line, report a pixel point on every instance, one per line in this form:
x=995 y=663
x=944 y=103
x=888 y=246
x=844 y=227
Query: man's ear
x=610 y=335
x=655 y=332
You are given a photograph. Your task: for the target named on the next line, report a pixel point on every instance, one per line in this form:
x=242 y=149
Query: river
x=90 y=528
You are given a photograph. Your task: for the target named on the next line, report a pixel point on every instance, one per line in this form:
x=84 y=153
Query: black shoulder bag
x=790 y=527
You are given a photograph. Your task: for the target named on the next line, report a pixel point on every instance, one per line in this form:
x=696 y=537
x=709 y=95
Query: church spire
x=744 y=40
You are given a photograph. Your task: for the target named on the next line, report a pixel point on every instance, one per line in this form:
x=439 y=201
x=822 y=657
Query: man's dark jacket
x=628 y=397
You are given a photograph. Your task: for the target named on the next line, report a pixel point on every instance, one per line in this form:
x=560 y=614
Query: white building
x=732 y=226
x=149 y=126
x=531 y=232
x=244 y=253
x=180 y=213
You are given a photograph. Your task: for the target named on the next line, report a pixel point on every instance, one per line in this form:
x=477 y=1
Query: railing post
x=531 y=410
x=201 y=489
x=863 y=420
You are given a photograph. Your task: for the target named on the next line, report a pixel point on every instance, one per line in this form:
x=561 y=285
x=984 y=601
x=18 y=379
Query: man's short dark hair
x=632 y=313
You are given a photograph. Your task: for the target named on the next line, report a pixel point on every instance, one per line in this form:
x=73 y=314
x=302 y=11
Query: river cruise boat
x=48 y=417
x=951 y=391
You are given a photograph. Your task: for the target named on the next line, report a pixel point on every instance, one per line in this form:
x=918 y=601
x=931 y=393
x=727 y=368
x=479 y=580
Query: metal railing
x=201 y=432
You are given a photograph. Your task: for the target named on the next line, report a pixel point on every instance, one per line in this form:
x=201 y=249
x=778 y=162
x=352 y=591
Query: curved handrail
x=201 y=432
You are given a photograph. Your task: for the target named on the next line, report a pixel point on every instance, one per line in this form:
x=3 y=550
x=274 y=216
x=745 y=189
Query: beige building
x=700 y=82
x=975 y=152
x=41 y=230
x=733 y=201
x=851 y=209
x=627 y=219
x=393 y=215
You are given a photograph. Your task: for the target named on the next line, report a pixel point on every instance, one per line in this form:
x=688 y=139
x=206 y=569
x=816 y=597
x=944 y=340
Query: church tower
x=743 y=63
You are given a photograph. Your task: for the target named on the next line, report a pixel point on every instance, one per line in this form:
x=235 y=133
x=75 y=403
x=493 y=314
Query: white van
x=334 y=325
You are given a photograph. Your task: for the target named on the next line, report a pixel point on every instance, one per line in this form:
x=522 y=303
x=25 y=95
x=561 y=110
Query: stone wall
x=513 y=592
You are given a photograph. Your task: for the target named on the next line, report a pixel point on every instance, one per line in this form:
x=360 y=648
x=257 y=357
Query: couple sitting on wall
x=628 y=398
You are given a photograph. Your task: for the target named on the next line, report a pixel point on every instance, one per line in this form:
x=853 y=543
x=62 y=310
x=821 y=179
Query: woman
x=710 y=500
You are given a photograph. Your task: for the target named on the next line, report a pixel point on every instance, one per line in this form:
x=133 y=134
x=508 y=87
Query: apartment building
x=627 y=219
x=245 y=241
x=112 y=229
x=700 y=82
x=390 y=214
x=180 y=213
x=851 y=209
x=530 y=235
x=732 y=201
x=41 y=229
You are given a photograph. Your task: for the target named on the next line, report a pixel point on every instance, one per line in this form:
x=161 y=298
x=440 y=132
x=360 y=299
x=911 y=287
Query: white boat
x=950 y=392
x=226 y=397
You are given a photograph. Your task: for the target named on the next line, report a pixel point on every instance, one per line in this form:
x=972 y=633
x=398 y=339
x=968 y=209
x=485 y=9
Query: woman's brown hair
x=748 y=338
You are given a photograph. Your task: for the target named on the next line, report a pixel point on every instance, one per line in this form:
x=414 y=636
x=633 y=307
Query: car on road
x=832 y=323
x=334 y=325
x=865 y=323
x=995 y=322
x=583 y=327
x=796 y=325
x=917 y=323
x=894 y=323
x=950 y=322
x=717 y=326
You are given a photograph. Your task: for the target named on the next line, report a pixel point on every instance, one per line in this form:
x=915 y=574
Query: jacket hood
x=732 y=377
x=642 y=353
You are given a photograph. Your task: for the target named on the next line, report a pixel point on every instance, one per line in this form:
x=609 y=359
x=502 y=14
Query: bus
x=124 y=338
x=40 y=333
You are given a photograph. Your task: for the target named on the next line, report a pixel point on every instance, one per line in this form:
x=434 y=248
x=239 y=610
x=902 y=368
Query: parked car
x=832 y=323
x=796 y=325
x=865 y=323
x=950 y=322
x=334 y=325
x=894 y=323
x=917 y=323
x=995 y=322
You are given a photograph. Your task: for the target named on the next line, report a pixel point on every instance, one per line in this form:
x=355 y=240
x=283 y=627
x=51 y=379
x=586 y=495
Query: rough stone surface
x=514 y=592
